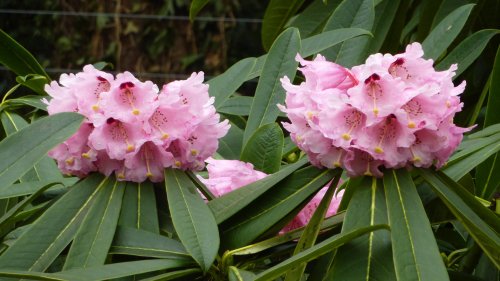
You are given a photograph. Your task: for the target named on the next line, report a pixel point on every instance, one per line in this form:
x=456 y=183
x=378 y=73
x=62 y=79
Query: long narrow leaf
x=40 y=245
x=21 y=150
x=264 y=149
x=315 y=251
x=482 y=224
x=279 y=62
x=278 y=12
x=193 y=220
x=93 y=239
x=416 y=255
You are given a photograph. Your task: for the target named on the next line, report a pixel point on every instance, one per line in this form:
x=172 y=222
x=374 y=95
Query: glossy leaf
x=311 y=231
x=279 y=62
x=370 y=254
x=103 y=272
x=33 y=101
x=315 y=44
x=353 y=13
x=136 y=242
x=458 y=169
x=229 y=204
x=264 y=148
x=315 y=251
x=93 y=239
x=231 y=144
x=487 y=176
x=440 y=38
x=141 y=208
x=314 y=16
x=277 y=13
x=46 y=168
x=239 y=105
x=22 y=149
x=385 y=13
x=416 y=255
x=482 y=224
x=193 y=220
x=222 y=86
x=17 y=58
x=195 y=8
x=273 y=206
x=467 y=51
x=27 y=188
x=34 y=81
x=39 y=246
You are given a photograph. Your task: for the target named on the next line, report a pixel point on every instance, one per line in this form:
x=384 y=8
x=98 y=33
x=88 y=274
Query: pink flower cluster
x=393 y=111
x=132 y=128
x=227 y=175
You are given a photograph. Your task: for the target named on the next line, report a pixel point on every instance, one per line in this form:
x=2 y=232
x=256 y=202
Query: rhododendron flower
x=131 y=128
x=392 y=111
x=227 y=175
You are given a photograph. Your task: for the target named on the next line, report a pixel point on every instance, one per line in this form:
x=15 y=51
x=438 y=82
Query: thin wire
x=126 y=16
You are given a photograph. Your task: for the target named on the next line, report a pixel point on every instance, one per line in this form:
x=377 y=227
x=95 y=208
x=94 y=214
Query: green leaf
x=39 y=246
x=313 y=45
x=93 y=239
x=487 y=176
x=9 y=215
x=136 y=242
x=314 y=252
x=16 y=58
x=46 y=168
x=229 y=204
x=416 y=255
x=445 y=32
x=278 y=12
x=370 y=254
x=236 y=274
x=141 y=212
x=310 y=233
x=239 y=105
x=385 y=13
x=222 y=86
x=231 y=144
x=446 y=7
x=279 y=62
x=34 y=81
x=264 y=148
x=458 y=169
x=353 y=13
x=27 y=188
x=286 y=197
x=22 y=149
x=193 y=220
x=481 y=223
x=33 y=101
x=103 y=272
x=195 y=8
x=314 y=16
x=175 y=275
x=467 y=51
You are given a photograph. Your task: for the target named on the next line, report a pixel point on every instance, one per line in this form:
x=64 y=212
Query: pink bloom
x=63 y=99
x=119 y=139
x=227 y=175
x=395 y=111
x=305 y=215
x=148 y=163
x=129 y=99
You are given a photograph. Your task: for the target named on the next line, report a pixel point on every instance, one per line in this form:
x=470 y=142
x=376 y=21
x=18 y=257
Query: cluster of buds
x=133 y=128
x=393 y=111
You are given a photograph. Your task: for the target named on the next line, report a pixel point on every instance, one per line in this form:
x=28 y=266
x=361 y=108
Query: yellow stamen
x=86 y=155
x=135 y=111
x=121 y=175
x=346 y=136
x=194 y=152
x=416 y=159
x=379 y=149
x=95 y=107
x=164 y=136
x=375 y=110
x=337 y=164
x=177 y=163
x=130 y=148
x=149 y=175
x=448 y=104
x=70 y=161
x=412 y=125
